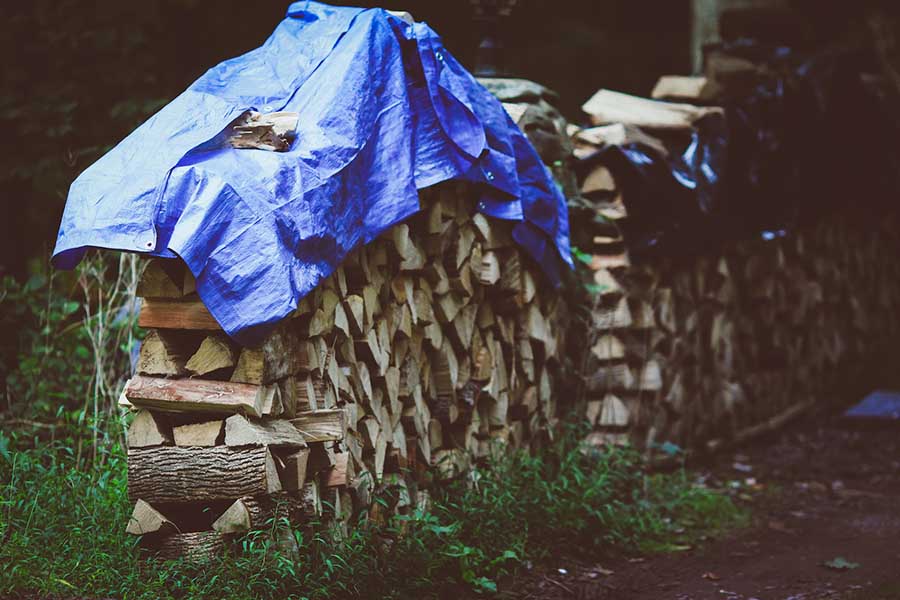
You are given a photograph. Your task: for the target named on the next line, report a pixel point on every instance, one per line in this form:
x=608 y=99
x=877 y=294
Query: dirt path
x=831 y=492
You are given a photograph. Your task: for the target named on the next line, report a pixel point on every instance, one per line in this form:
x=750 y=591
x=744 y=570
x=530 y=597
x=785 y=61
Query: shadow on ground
x=826 y=505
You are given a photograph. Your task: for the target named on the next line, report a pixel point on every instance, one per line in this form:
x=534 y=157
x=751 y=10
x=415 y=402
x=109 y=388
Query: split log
x=206 y=434
x=321 y=425
x=241 y=431
x=165 y=278
x=607 y=106
x=162 y=354
x=148 y=429
x=195 y=395
x=214 y=354
x=147 y=520
x=282 y=354
x=176 y=314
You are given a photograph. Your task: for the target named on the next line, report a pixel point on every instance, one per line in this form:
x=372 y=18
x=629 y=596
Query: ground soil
x=822 y=491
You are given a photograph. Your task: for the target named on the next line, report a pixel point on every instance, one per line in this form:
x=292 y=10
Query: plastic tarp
x=384 y=111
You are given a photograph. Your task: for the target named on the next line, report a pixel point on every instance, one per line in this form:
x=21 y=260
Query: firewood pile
x=705 y=349
x=420 y=352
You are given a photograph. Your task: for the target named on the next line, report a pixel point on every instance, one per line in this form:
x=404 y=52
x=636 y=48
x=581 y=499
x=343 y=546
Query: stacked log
x=424 y=348
x=697 y=350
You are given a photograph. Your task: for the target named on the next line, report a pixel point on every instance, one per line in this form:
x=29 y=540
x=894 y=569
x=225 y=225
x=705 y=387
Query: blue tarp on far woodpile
x=384 y=111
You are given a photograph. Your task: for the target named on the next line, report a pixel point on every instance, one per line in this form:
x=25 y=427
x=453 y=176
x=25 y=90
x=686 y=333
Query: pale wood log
x=195 y=395
x=214 y=354
x=281 y=354
x=588 y=140
x=148 y=429
x=241 y=431
x=607 y=106
x=650 y=377
x=321 y=425
x=599 y=179
x=593 y=410
x=162 y=354
x=171 y=474
x=165 y=278
x=607 y=284
x=682 y=87
x=209 y=433
x=147 y=520
x=608 y=347
x=175 y=314
x=235 y=519
x=615 y=317
x=613 y=377
x=614 y=412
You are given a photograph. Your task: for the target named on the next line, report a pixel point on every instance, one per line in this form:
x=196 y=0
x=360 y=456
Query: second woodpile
x=426 y=348
x=704 y=350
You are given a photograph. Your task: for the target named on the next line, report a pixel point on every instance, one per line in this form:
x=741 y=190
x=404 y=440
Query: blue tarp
x=384 y=111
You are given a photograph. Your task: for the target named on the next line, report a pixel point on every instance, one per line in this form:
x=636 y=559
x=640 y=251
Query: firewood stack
x=422 y=349
x=701 y=350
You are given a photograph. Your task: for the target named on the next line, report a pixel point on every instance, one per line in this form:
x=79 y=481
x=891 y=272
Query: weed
x=62 y=530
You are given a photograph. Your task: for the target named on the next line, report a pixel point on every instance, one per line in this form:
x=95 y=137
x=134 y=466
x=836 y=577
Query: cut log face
x=614 y=413
x=214 y=354
x=207 y=434
x=168 y=474
x=162 y=355
x=234 y=520
x=241 y=431
x=147 y=520
x=165 y=278
x=147 y=430
x=282 y=354
x=608 y=347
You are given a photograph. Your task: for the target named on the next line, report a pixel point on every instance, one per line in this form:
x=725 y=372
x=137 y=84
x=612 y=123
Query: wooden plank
x=176 y=314
x=196 y=395
x=608 y=106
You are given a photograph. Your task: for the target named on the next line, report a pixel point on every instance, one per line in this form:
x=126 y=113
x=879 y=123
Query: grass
x=62 y=530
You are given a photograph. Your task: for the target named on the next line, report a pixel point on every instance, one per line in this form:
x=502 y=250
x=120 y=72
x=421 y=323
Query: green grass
x=62 y=531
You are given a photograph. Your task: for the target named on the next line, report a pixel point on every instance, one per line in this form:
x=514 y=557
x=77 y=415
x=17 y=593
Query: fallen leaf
x=711 y=576
x=781 y=527
x=602 y=571
x=840 y=564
